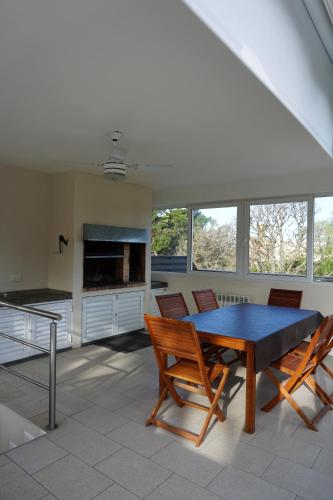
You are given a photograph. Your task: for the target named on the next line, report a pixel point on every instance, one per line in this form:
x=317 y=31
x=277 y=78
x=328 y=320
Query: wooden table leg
x=250 y=390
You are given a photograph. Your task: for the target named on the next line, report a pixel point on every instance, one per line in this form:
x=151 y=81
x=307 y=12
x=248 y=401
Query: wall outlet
x=15 y=278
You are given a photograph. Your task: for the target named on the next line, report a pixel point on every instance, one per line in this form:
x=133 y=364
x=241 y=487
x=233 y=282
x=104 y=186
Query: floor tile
x=28 y=406
x=324 y=462
x=88 y=445
x=286 y=447
x=238 y=485
x=71 y=479
x=144 y=440
x=107 y=398
x=302 y=481
x=8 y=392
x=4 y=460
x=240 y=455
x=116 y=492
x=176 y=488
x=133 y=472
x=65 y=425
x=323 y=438
x=36 y=454
x=69 y=404
x=188 y=463
x=15 y=484
x=100 y=419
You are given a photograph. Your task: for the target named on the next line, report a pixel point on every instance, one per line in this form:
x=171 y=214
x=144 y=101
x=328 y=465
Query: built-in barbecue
x=113 y=256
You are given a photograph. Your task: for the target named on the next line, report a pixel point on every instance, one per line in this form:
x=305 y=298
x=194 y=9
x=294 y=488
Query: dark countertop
x=25 y=297
x=159 y=284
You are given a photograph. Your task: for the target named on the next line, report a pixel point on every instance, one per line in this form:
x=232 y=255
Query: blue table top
x=252 y=322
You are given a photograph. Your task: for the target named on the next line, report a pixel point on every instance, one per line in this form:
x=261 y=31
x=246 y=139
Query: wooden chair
x=323 y=347
x=206 y=301
x=285 y=298
x=189 y=372
x=300 y=371
x=172 y=305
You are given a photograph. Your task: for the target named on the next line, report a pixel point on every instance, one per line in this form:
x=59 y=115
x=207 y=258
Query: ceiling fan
x=115 y=168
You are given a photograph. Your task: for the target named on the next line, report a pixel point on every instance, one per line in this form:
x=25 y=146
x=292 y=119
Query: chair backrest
x=172 y=305
x=205 y=300
x=320 y=344
x=325 y=340
x=174 y=337
x=285 y=298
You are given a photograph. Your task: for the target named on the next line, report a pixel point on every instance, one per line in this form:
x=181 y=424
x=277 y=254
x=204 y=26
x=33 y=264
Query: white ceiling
x=72 y=70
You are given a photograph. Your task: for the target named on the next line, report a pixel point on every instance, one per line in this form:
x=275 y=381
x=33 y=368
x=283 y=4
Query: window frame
x=243 y=239
x=309 y=239
x=168 y=207
x=230 y=274
x=321 y=280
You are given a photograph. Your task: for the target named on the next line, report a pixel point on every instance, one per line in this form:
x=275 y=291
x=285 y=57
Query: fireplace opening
x=108 y=263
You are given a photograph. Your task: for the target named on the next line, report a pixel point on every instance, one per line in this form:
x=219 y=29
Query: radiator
x=225 y=299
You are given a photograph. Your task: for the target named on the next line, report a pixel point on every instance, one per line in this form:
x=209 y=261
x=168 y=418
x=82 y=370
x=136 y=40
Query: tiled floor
x=102 y=450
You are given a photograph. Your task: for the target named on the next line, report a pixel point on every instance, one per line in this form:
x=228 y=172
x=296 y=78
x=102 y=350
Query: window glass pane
x=214 y=239
x=323 y=238
x=169 y=240
x=278 y=238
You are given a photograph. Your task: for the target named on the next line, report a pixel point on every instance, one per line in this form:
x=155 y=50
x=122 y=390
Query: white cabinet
x=34 y=329
x=13 y=323
x=98 y=317
x=111 y=314
x=129 y=311
x=40 y=327
x=154 y=310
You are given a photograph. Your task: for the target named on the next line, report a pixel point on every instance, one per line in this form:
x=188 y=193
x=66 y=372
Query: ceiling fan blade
x=69 y=162
x=136 y=166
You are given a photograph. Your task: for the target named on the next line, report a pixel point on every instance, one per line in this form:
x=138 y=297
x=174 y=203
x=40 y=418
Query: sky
x=225 y=215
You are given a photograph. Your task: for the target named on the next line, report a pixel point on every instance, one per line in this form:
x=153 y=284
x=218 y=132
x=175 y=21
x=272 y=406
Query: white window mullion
x=189 y=240
x=310 y=237
x=246 y=238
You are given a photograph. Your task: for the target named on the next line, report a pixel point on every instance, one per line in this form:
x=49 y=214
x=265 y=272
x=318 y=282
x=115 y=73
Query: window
x=278 y=238
x=169 y=240
x=289 y=239
x=323 y=238
x=214 y=239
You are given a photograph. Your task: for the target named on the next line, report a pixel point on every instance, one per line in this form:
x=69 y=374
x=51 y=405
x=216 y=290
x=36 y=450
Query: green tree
x=323 y=249
x=169 y=232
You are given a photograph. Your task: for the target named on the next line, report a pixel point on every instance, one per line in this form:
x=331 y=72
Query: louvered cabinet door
x=98 y=317
x=129 y=311
x=13 y=323
x=40 y=327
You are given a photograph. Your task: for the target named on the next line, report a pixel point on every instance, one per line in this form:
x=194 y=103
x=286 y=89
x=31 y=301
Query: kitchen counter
x=25 y=297
x=159 y=284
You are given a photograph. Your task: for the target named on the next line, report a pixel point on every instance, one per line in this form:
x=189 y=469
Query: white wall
x=317 y=296
x=61 y=265
x=97 y=201
x=277 y=41
x=24 y=222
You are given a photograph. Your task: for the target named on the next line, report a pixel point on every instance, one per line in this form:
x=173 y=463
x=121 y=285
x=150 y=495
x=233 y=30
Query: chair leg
x=214 y=408
x=285 y=394
x=156 y=407
x=279 y=397
x=298 y=410
x=327 y=369
x=319 y=391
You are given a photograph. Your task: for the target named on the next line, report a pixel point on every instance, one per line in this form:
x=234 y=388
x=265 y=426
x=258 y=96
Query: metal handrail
x=52 y=353
x=32 y=310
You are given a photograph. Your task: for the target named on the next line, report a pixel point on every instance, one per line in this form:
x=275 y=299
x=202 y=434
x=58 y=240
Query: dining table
x=264 y=333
